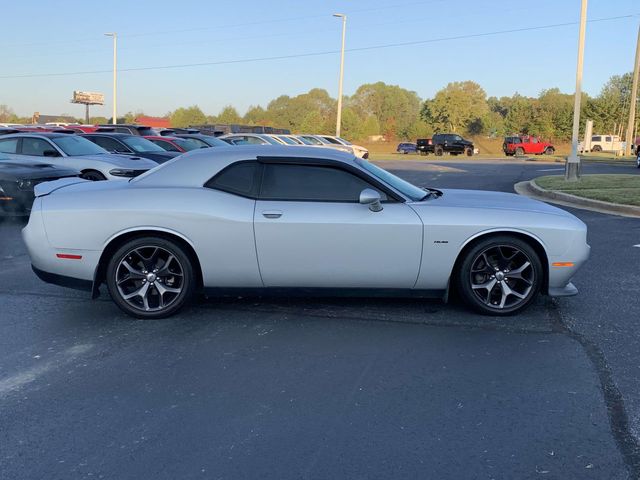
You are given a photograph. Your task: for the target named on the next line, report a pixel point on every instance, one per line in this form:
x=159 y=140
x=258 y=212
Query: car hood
x=124 y=161
x=27 y=170
x=493 y=200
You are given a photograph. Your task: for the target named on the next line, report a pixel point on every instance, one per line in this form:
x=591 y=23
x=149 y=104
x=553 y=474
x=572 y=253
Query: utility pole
x=115 y=74
x=572 y=167
x=344 y=29
x=634 y=98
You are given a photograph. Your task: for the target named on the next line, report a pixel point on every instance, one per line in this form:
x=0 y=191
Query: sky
x=47 y=44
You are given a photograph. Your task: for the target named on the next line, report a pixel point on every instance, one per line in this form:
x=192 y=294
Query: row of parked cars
x=30 y=155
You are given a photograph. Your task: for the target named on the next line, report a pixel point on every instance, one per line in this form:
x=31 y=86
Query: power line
x=320 y=53
x=227 y=25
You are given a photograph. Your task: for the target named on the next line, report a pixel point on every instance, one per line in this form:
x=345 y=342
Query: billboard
x=88 y=98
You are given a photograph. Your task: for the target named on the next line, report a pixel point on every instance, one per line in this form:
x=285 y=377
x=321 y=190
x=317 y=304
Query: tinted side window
x=9 y=145
x=311 y=183
x=596 y=139
x=35 y=146
x=239 y=178
x=168 y=146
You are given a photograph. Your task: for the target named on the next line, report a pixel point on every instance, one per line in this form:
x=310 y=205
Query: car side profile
x=268 y=217
x=127 y=144
x=250 y=139
x=71 y=151
x=407 y=147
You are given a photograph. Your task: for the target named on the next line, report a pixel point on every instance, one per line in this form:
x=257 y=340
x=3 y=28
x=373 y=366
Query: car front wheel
x=150 y=277
x=500 y=276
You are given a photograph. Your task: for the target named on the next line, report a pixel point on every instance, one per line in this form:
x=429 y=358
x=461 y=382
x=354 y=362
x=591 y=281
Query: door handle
x=272 y=214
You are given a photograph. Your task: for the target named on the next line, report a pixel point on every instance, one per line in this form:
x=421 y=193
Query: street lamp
x=344 y=29
x=115 y=73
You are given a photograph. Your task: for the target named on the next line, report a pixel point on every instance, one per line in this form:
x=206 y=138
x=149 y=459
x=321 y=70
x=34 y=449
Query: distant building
x=156 y=122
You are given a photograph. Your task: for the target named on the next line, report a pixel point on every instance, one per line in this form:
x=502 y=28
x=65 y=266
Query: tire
x=150 y=277
x=597 y=148
x=519 y=152
x=438 y=151
x=482 y=287
x=468 y=151
x=93 y=175
x=549 y=151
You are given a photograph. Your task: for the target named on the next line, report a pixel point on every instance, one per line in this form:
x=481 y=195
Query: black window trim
x=392 y=196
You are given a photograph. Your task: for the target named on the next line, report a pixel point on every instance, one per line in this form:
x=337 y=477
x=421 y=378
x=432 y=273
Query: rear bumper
x=63 y=281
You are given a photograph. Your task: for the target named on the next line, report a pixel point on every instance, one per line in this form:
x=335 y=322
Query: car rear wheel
x=597 y=148
x=150 y=277
x=500 y=276
x=519 y=152
x=93 y=175
x=468 y=151
x=438 y=151
x=549 y=151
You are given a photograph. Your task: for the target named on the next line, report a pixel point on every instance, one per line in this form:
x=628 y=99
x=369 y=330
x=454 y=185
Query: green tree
x=183 y=117
x=7 y=115
x=371 y=126
x=256 y=115
x=229 y=115
x=459 y=107
x=312 y=123
x=395 y=108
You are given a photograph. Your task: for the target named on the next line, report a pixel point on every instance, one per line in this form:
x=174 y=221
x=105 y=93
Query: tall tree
x=183 y=117
x=459 y=107
x=229 y=115
x=395 y=108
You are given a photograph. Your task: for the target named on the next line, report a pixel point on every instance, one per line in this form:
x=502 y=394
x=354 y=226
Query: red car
x=526 y=145
x=176 y=144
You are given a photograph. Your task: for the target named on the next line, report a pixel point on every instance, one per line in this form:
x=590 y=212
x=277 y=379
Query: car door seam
x=422 y=246
x=255 y=240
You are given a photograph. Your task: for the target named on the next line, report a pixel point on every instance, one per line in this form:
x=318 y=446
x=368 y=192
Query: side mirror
x=50 y=153
x=370 y=197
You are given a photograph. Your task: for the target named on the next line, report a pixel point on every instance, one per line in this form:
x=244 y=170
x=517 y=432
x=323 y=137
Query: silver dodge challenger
x=256 y=218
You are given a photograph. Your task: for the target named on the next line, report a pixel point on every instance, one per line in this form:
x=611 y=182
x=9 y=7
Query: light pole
x=634 y=98
x=115 y=74
x=572 y=168
x=344 y=30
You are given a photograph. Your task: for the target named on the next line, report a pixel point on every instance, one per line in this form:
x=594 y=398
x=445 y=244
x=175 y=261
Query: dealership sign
x=88 y=98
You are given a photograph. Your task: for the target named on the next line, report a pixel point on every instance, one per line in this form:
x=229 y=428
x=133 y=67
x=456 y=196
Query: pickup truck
x=526 y=145
x=445 y=143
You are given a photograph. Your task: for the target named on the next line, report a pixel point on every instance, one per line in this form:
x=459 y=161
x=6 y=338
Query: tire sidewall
x=462 y=275
x=176 y=250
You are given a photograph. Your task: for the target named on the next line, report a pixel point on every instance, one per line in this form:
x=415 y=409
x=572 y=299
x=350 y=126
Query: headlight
x=3 y=195
x=25 y=184
x=123 y=172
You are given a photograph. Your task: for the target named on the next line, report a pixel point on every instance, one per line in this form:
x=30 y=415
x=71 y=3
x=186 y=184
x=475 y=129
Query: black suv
x=440 y=143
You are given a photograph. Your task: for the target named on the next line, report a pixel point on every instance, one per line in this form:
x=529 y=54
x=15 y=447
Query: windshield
x=288 y=140
x=139 y=144
x=72 y=146
x=312 y=140
x=213 y=141
x=409 y=190
x=189 y=144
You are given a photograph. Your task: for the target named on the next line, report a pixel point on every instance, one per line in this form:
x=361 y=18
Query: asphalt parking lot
x=329 y=388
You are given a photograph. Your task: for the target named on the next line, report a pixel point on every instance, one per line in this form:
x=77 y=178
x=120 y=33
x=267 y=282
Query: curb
x=531 y=189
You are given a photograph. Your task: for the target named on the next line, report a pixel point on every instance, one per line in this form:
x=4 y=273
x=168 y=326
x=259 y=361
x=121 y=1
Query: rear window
x=239 y=179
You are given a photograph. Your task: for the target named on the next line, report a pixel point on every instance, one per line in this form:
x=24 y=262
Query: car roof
x=38 y=134
x=109 y=134
x=194 y=168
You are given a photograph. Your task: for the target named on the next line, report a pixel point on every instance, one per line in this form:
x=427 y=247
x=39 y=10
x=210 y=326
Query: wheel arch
x=115 y=241
x=536 y=243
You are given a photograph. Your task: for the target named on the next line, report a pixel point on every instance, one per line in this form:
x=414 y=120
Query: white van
x=607 y=143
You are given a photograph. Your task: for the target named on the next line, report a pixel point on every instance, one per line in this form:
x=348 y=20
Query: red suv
x=526 y=145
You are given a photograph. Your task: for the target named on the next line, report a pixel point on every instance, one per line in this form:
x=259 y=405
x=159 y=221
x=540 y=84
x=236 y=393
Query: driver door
x=311 y=231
